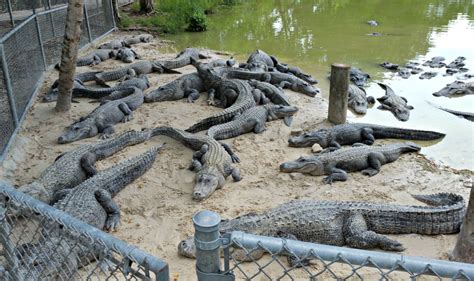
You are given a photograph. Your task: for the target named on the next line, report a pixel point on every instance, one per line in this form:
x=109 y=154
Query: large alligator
x=348 y=134
x=253 y=119
x=187 y=86
x=358 y=99
x=455 y=89
x=127 y=55
x=81 y=91
x=336 y=164
x=352 y=223
x=90 y=202
x=127 y=41
x=274 y=93
x=395 y=104
x=183 y=58
x=73 y=167
x=96 y=57
x=212 y=160
x=79 y=80
x=225 y=88
x=104 y=117
x=358 y=77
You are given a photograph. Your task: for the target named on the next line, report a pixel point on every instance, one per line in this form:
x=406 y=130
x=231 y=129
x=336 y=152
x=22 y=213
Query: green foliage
x=135 y=7
x=197 y=21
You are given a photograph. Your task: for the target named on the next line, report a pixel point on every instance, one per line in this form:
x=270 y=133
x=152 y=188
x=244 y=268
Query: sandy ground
x=157 y=208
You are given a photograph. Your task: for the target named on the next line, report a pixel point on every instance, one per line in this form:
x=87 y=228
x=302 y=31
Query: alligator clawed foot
x=328 y=180
x=211 y=102
x=127 y=118
x=235 y=158
x=105 y=136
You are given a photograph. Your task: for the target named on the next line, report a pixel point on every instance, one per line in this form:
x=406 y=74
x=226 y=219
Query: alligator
x=90 y=202
x=114 y=44
x=457 y=88
x=52 y=94
x=274 y=93
x=183 y=58
x=222 y=62
x=466 y=115
x=416 y=70
x=80 y=91
x=358 y=100
x=358 y=77
x=226 y=89
x=428 y=75
x=187 y=86
x=96 y=57
x=102 y=120
x=457 y=63
x=396 y=104
x=336 y=164
x=348 y=134
x=405 y=73
x=389 y=65
x=127 y=55
x=212 y=160
x=253 y=119
x=435 y=62
x=352 y=223
x=282 y=67
x=135 y=39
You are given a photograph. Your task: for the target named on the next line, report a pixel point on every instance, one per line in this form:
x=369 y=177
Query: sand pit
x=157 y=208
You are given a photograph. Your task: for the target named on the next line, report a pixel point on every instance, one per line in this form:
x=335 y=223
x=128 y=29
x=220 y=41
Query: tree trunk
x=67 y=68
x=146 y=6
x=464 y=249
x=116 y=11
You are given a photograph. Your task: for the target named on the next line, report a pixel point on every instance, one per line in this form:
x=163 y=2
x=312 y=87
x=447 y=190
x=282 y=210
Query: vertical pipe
x=206 y=238
x=51 y=21
x=339 y=86
x=10 y=11
x=40 y=40
x=112 y=14
x=11 y=98
x=86 y=17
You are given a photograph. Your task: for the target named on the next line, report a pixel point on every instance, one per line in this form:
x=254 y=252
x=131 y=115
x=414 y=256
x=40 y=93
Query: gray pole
x=10 y=11
x=40 y=40
x=206 y=238
x=8 y=84
x=339 y=86
x=86 y=17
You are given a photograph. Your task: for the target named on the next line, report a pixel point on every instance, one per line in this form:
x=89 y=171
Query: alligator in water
x=458 y=63
x=428 y=75
x=102 y=120
x=187 y=86
x=352 y=223
x=435 y=62
x=389 y=65
x=253 y=119
x=358 y=77
x=455 y=89
x=226 y=89
x=337 y=163
x=405 y=73
x=358 y=100
x=90 y=202
x=395 y=104
x=348 y=134
x=466 y=115
x=212 y=160
x=81 y=91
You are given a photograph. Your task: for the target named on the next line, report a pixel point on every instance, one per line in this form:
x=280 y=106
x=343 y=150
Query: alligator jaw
x=206 y=184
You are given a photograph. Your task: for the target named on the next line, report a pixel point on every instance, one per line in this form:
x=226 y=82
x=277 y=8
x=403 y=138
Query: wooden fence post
x=339 y=86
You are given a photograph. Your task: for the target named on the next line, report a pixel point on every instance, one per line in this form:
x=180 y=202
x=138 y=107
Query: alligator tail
x=206 y=123
x=440 y=199
x=87 y=76
x=407 y=134
x=188 y=139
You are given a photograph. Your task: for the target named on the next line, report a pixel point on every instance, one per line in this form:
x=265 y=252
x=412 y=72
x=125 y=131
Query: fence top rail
x=383 y=260
x=154 y=264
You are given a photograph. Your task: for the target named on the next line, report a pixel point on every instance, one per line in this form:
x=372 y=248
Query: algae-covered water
x=312 y=34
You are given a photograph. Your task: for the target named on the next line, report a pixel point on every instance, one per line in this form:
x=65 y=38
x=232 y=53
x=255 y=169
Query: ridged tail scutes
x=407 y=134
x=440 y=199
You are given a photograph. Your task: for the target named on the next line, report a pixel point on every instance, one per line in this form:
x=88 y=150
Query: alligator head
x=208 y=179
x=358 y=103
x=82 y=129
x=205 y=71
x=126 y=55
x=187 y=248
x=309 y=138
x=305 y=165
x=457 y=88
x=358 y=77
x=281 y=112
x=306 y=89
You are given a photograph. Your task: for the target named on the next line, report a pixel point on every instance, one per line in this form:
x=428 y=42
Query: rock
x=296 y=131
x=296 y=176
x=316 y=148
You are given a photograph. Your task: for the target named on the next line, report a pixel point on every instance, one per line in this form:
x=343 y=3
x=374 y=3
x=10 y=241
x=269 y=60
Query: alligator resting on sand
x=351 y=223
x=348 y=134
x=336 y=164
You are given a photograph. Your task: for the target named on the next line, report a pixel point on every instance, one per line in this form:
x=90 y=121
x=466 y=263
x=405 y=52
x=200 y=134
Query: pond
x=313 y=34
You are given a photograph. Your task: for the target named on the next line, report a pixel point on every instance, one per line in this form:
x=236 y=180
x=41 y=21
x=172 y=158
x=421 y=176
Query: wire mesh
x=6 y=119
x=42 y=243
x=263 y=262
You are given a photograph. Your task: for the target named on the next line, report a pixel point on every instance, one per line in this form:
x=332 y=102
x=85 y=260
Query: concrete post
x=339 y=86
x=206 y=238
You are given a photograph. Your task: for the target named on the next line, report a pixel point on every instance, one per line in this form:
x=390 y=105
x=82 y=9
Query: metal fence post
x=339 y=86
x=40 y=40
x=8 y=84
x=86 y=18
x=10 y=11
x=51 y=19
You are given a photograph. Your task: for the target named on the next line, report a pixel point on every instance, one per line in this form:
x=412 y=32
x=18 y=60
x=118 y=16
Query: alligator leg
x=336 y=175
x=107 y=131
x=192 y=94
x=236 y=174
x=235 y=158
x=110 y=207
x=293 y=260
x=126 y=111
x=227 y=95
x=367 y=136
x=357 y=235
x=196 y=162
x=375 y=162
x=259 y=126
x=88 y=164
x=211 y=97
x=58 y=195
x=195 y=165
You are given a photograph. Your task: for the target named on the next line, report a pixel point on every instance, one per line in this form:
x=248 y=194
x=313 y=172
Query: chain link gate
x=256 y=257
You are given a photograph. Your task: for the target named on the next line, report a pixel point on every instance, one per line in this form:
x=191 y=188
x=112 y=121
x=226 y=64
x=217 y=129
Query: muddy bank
x=157 y=208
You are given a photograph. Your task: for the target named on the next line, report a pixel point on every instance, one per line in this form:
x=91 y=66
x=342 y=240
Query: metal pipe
x=10 y=11
x=8 y=84
x=40 y=41
x=86 y=17
x=355 y=256
x=206 y=238
x=51 y=21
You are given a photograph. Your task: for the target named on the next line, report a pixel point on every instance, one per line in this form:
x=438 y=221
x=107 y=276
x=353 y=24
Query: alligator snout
x=62 y=140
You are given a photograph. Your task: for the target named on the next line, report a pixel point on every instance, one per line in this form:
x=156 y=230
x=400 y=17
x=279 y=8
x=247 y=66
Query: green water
x=312 y=34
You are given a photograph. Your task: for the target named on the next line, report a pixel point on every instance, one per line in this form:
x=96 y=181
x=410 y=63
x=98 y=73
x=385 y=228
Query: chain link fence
x=39 y=242
x=255 y=257
x=35 y=44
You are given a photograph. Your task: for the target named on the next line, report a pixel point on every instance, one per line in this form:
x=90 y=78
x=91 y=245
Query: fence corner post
x=339 y=86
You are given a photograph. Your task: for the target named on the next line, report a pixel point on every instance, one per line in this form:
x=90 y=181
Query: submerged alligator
x=212 y=160
x=336 y=164
x=352 y=223
x=348 y=134
x=90 y=202
x=358 y=77
x=466 y=115
x=395 y=104
x=102 y=120
x=457 y=88
x=358 y=99
x=253 y=119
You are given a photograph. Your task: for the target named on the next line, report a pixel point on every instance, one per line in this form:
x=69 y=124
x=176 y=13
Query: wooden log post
x=339 y=86
x=464 y=249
